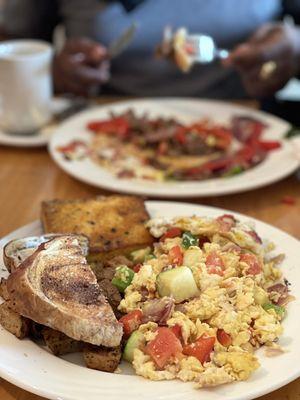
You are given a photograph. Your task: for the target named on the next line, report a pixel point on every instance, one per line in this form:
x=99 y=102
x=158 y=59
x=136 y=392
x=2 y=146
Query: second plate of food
x=174 y=147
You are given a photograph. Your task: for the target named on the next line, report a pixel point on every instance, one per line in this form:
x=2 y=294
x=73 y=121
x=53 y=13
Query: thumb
x=245 y=55
x=92 y=51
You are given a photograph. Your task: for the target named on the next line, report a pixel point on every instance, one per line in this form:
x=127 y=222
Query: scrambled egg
x=231 y=302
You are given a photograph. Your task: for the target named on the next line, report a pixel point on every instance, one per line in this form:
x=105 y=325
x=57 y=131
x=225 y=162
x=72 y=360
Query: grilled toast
x=114 y=224
x=56 y=287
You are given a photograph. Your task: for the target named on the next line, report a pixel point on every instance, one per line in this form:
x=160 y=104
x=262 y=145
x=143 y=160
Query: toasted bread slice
x=114 y=225
x=59 y=343
x=101 y=358
x=56 y=287
x=3 y=289
x=14 y=322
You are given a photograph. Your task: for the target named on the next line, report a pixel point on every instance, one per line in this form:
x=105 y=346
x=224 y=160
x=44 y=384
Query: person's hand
x=81 y=67
x=268 y=60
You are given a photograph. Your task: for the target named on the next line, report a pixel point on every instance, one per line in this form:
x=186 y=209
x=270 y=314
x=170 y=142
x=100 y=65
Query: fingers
x=271 y=42
x=245 y=55
x=87 y=75
x=81 y=67
x=92 y=52
x=258 y=87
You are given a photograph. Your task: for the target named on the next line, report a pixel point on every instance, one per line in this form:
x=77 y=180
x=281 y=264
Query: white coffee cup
x=25 y=85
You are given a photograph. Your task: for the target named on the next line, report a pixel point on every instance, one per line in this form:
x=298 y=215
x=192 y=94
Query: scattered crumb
x=286 y=282
x=118 y=371
x=289 y=200
x=25 y=355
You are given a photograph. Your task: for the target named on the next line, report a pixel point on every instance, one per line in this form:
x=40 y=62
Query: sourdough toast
x=114 y=225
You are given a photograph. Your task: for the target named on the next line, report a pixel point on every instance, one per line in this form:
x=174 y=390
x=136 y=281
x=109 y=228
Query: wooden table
x=29 y=176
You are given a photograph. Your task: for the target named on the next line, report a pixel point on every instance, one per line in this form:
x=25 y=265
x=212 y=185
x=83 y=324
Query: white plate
x=278 y=164
x=42 y=137
x=31 y=367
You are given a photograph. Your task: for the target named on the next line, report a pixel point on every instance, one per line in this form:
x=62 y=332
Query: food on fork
x=174 y=47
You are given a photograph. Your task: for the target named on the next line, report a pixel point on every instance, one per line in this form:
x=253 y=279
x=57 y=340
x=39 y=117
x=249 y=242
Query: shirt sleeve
x=30 y=18
x=80 y=17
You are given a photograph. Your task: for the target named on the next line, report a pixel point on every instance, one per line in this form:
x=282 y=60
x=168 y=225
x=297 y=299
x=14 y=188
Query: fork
x=203 y=49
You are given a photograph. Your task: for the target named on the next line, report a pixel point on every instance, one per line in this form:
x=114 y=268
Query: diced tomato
x=189 y=48
x=171 y=233
x=176 y=329
x=162 y=148
x=226 y=222
x=211 y=166
x=201 y=348
x=245 y=154
x=164 y=346
x=137 y=267
x=180 y=135
x=72 y=146
x=253 y=263
x=269 y=145
x=214 y=264
x=175 y=255
x=288 y=200
x=131 y=322
x=118 y=126
x=224 y=338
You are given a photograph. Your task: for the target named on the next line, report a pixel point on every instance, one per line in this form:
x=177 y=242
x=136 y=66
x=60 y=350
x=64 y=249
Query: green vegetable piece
x=178 y=283
x=149 y=257
x=122 y=278
x=294 y=131
x=135 y=341
x=139 y=256
x=234 y=171
x=188 y=240
x=278 y=309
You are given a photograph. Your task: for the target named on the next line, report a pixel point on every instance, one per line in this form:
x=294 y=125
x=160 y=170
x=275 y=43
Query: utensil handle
x=222 y=53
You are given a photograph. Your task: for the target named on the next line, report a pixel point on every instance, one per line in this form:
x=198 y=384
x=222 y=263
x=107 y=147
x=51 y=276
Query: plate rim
x=156 y=205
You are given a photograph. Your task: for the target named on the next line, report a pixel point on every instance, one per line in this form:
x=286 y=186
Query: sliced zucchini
x=122 y=278
x=135 y=341
x=178 y=283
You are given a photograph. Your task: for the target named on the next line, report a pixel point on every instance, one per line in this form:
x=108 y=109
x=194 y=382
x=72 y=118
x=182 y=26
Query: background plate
x=277 y=165
x=31 y=367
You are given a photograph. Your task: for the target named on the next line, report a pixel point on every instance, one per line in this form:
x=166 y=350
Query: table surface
x=29 y=176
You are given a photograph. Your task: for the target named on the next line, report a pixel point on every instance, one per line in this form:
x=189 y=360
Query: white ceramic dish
x=31 y=367
x=279 y=163
x=42 y=137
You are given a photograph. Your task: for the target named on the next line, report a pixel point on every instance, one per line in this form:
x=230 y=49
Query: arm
x=82 y=66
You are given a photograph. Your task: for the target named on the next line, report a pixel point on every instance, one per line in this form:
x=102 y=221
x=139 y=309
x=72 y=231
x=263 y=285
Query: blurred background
x=81 y=32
